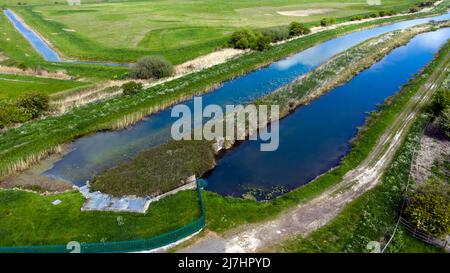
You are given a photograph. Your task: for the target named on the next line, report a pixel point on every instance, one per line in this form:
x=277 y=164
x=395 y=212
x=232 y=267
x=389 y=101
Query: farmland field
x=12 y=86
x=179 y=30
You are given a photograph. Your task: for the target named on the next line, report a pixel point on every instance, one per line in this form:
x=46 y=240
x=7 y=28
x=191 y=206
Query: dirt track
x=305 y=218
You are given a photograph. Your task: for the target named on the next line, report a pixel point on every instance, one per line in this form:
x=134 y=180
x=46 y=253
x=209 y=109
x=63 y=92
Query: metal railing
x=427 y=238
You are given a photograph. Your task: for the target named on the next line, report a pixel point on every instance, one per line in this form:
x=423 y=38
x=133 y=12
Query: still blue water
x=316 y=136
x=95 y=153
x=38 y=44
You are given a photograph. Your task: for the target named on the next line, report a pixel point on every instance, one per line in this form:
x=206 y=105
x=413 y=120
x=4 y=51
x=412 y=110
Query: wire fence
x=123 y=246
x=408 y=182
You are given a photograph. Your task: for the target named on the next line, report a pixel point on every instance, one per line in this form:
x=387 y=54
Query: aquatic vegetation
x=157 y=170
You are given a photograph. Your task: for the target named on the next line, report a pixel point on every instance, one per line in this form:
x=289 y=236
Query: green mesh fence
x=123 y=246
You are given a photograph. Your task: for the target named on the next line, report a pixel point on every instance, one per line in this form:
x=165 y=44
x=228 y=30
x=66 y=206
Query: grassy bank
x=31 y=219
x=146 y=174
x=404 y=243
x=177 y=29
x=31 y=142
x=59 y=224
x=12 y=86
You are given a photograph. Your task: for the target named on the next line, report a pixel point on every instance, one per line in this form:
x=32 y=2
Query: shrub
x=426 y=4
x=444 y=121
x=381 y=13
x=296 y=29
x=356 y=18
x=327 y=21
x=428 y=208
x=276 y=34
x=11 y=113
x=373 y=15
x=391 y=12
x=413 y=9
x=262 y=42
x=243 y=39
x=131 y=88
x=152 y=67
x=441 y=100
x=34 y=103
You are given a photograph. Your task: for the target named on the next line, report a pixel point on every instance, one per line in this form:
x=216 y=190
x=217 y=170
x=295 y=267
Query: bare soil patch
x=434 y=149
x=205 y=61
x=305 y=12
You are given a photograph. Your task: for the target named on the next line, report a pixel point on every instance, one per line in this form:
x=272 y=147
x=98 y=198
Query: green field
x=178 y=29
x=31 y=219
x=12 y=86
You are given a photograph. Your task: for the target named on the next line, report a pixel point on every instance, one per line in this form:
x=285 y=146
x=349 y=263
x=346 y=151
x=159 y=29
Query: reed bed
x=88 y=95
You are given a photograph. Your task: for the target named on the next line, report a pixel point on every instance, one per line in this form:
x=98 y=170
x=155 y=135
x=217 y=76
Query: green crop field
x=12 y=86
x=178 y=29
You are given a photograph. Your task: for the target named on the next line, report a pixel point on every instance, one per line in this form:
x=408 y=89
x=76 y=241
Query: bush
x=441 y=100
x=356 y=18
x=297 y=29
x=276 y=34
x=244 y=39
x=391 y=12
x=426 y=4
x=327 y=21
x=11 y=113
x=444 y=121
x=428 y=208
x=152 y=67
x=262 y=42
x=413 y=9
x=34 y=103
x=131 y=88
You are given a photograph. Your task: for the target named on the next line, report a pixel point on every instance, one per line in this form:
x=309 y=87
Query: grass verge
x=31 y=219
x=12 y=86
